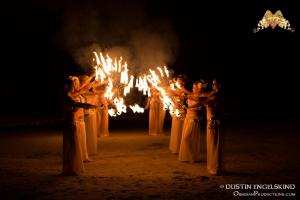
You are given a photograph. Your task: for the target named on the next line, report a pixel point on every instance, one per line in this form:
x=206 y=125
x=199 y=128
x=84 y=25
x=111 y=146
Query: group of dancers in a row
x=187 y=121
x=86 y=119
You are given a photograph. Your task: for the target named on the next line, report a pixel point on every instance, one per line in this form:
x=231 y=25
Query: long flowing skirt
x=176 y=134
x=90 y=120
x=214 y=140
x=72 y=159
x=80 y=129
x=156 y=118
x=162 y=114
x=102 y=122
x=190 y=142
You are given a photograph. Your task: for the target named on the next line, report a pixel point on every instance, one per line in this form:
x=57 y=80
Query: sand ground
x=132 y=165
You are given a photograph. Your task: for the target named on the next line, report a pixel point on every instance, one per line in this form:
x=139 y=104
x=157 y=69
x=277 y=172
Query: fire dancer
x=90 y=118
x=80 y=88
x=102 y=113
x=190 y=142
x=156 y=112
x=73 y=128
x=214 y=136
x=179 y=97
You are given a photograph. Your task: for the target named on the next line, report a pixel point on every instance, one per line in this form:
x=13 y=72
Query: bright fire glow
x=119 y=84
x=159 y=82
x=136 y=108
x=116 y=73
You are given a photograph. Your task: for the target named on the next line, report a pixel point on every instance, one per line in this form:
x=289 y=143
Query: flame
x=177 y=113
x=161 y=72
x=166 y=71
x=124 y=75
x=109 y=94
x=142 y=84
x=136 y=108
x=172 y=86
x=158 y=83
x=129 y=86
x=120 y=106
x=177 y=85
x=112 y=112
x=115 y=72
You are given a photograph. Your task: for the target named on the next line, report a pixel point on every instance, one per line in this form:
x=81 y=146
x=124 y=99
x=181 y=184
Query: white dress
x=190 y=142
x=156 y=115
x=177 y=125
x=72 y=158
x=214 y=139
x=102 y=117
x=80 y=128
x=90 y=119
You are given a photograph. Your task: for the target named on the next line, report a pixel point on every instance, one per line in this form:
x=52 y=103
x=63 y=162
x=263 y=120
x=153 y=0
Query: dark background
x=205 y=40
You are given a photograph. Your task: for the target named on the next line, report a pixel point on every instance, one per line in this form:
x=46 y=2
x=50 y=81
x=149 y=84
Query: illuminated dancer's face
x=215 y=85
x=195 y=88
x=76 y=83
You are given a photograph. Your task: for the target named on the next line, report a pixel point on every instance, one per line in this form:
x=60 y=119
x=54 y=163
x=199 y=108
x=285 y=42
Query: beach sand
x=132 y=165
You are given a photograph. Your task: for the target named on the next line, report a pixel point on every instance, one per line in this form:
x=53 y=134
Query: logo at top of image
x=273 y=20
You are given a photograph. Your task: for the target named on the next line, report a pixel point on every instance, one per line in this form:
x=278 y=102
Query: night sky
x=45 y=41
